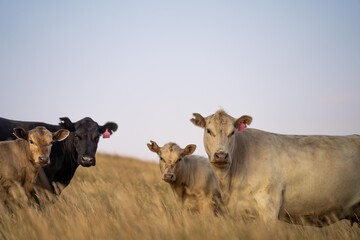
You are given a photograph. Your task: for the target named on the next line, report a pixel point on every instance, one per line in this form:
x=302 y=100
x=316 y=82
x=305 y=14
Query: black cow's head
x=85 y=137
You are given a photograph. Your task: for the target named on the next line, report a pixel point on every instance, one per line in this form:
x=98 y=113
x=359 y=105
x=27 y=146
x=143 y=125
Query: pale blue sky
x=148 y=65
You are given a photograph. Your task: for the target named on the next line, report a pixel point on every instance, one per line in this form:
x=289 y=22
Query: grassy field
x=124 y=198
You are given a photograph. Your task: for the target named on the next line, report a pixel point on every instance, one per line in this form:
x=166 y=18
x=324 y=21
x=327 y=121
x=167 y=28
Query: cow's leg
x=4 y=195
x=191 y=204
x=217 y=204
x=355 y=217
x=269 y=204
x=30 y=193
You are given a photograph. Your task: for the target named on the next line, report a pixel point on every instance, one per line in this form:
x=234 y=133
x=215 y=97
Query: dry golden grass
x=124 y=198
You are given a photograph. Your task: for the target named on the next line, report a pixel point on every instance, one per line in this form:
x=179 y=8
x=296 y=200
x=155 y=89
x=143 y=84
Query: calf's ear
x=153 y=147
x=67 y=124
x=245 y=119
x=189 y=149
x=198 y=120
x=60 y=135
x=20 y=133
x=110 y=126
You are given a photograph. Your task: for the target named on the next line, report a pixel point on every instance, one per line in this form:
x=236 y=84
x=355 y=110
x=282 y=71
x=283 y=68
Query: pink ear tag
x=106 y=134
x=242 y=127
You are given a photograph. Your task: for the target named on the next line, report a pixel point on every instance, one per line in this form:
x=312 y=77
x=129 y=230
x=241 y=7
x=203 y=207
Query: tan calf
x=190 y=177
x=21 y=159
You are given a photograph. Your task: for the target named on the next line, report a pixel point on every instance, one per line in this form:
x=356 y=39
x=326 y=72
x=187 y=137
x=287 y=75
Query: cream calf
x=190 y=177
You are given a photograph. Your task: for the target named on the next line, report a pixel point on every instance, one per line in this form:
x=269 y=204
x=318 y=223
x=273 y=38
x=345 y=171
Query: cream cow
x=311 y=180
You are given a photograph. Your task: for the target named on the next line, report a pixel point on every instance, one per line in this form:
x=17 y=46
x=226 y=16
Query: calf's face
x=219 y=135
x=170 y=159
x=40 y=140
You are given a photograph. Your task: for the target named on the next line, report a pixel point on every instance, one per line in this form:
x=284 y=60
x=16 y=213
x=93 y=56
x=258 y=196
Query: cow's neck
x=25 y=161
x=30 y=171
x=236 y=173
x=178 y=189
x=183 y=182
x=66 y=173
x=223 y=179
x=62 y=170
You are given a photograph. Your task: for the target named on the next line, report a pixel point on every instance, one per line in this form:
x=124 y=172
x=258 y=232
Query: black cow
x=78 y=149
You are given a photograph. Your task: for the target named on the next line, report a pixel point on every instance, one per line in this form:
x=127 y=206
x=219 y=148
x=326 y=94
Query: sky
x=294 y=66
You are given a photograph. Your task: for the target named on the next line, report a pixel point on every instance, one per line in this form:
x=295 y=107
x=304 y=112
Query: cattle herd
x=307 y=180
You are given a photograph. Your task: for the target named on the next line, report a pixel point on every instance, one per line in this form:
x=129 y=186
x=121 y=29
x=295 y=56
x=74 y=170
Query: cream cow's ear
x=153 y=147
x=189 y=149
x=198 y=120
x=245 y=119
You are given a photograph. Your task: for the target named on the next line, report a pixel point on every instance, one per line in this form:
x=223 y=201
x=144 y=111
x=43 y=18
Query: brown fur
x=21 y=159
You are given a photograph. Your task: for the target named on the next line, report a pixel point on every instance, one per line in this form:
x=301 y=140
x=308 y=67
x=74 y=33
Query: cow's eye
x=161 y=159
x=96 y=139
x=77 y=137
x=208 y=131
x=31 y=141
x=232 y=133
x=179 y=160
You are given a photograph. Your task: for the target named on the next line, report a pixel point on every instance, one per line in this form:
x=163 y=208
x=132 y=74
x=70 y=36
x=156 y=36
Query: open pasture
x=124 y=198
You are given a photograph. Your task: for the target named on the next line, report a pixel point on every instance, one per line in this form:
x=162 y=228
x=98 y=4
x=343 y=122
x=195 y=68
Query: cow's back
x=7 y=127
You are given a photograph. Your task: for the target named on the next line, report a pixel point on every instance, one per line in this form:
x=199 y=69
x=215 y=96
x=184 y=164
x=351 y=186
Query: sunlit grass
x=124 y=198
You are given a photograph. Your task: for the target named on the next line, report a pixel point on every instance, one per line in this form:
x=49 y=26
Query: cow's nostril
x=87 y=159
x=221 y=156
x=169 y=177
